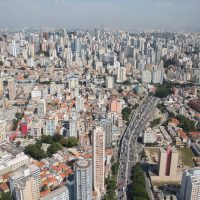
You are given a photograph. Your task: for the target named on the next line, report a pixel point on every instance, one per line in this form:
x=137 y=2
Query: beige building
x=12 y=88
x=1 y=86
x=2 y=130
x=168 y=161
x=98 y=147
x=190 y=184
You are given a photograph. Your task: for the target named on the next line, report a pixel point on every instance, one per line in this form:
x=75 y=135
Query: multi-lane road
x=128 y=149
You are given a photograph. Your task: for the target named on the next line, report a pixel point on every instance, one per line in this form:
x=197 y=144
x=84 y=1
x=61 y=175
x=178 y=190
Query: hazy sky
x=94 y=13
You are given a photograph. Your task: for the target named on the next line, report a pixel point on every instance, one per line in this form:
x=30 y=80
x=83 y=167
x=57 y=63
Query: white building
x=83 y=180
x=41 y=108
x=25 y=183
x=79 y=103
x=190 y=184
x=149 y=136
x=121 y=74
x=109 y=82
x=146 y=76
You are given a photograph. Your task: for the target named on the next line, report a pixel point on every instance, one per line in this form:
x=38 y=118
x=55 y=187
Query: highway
x=129 y=149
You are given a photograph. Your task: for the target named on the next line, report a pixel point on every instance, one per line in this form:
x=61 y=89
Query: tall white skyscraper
x=98 y=148
x=83 y=180
x=13 y=49
x=190 y=184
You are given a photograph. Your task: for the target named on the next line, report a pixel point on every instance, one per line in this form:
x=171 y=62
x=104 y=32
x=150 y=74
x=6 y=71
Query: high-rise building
x=41 y=108
x=12 y=88
x=121 y=74
x=72 y=128
x=51 y=123
x=109 y=82
x=73 y=82
x=190 y=184
x=83 y=180
x=98 y=147
x=157 y=76
x=146 y=76
x=25 y=183
x=107 y=126
x=13 y=48
x=79 y=103
x=1 y=86
x=2 y=130
x=168 y=161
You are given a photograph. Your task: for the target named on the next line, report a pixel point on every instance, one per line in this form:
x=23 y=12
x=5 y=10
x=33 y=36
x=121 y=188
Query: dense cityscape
x=97 y=114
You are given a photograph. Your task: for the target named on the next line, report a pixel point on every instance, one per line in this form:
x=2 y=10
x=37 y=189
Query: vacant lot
x=186 y=155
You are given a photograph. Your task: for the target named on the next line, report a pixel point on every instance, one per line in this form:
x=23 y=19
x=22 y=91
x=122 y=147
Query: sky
x=169 y=14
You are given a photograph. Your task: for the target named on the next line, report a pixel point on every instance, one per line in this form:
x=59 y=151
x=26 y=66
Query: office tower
x=83 y=180
x=79 y=103
x=190 y=184
x=141 y=44
x=73 y=83
x=116 y=106
x=72 y=128
x=12 y=88
x=168 y=161
x=109 y=82
x=157 y=76
x=1 y=86
x=107 y=126
x=146 y=76
x=76 y=45
x=2 y=130
x=25 y=183
x=41 y=109
x=121 y=74
x=51 y=123
x=98 y=151
x=13 y=50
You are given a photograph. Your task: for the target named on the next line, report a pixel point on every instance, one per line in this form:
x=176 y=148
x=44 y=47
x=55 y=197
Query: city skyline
x=170 y=14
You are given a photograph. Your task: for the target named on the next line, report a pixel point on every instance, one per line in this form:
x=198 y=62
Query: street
x=129 y=149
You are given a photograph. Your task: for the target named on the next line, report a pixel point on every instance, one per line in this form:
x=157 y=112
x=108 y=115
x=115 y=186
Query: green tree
x=1 y=63
x=115 y=168
x=58 y=138
x=18 y=115
x=15 y=124
x=186 y=124
x=47 y=139
x=35 y=151
x=6 y=196
x=53 y=148
x=71 y=142
x=126 y=113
